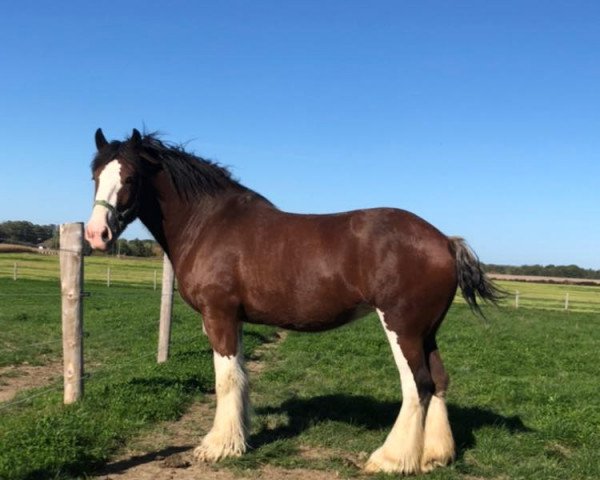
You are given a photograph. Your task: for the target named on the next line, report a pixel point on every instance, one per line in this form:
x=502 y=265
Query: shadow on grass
x=124 y=465
x=158 y=385
x=465 y=421
x=259 y=337
x=372 y=414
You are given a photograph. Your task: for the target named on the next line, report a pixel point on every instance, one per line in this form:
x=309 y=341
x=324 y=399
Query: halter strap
x=120 y=219
x=104 y=203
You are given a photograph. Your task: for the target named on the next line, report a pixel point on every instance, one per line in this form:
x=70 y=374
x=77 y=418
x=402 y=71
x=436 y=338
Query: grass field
x=523 y=398
x=552 y=296
x=123 y=271
x=126 y=392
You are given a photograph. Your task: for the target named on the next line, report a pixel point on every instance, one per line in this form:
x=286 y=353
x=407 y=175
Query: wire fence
x=571 y=300
x=107 y=344
x=107 y=270
x=117 y=289
x=95 y=371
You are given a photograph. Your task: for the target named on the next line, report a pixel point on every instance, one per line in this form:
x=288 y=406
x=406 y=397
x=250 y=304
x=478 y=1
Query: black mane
x=191 y=176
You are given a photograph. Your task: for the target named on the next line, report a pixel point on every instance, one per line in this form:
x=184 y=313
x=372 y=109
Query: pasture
x=523 y=399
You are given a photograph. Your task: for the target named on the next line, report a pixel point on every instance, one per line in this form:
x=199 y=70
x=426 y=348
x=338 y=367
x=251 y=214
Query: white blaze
x=109 y=185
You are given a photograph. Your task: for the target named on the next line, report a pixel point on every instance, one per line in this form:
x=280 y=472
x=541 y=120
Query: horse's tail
x=472 y=280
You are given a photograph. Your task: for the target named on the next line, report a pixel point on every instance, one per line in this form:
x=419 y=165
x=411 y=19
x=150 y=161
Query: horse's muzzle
x=99 y=236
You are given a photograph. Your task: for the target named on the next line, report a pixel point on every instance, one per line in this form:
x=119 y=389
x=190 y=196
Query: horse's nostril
x=106 y=236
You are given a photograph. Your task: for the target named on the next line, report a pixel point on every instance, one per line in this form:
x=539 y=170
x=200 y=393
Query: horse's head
x=116 y=173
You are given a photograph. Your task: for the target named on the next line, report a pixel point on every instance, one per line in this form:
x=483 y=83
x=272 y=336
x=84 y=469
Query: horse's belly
x=308 y=319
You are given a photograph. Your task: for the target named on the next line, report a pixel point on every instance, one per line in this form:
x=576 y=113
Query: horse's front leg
x=227 y=437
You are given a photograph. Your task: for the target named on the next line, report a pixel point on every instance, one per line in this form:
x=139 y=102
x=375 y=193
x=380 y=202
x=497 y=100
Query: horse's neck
x=169 y=216
x=158 y=208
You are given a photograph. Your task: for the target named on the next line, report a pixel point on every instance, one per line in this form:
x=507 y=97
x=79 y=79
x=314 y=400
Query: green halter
x=104 y=203
x=122 y=219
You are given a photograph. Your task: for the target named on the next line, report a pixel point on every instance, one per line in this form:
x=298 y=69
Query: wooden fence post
x=15 y=271
x=166 y=307
x=155 y=280
x=108 y=276
x=71 y=281
x=567 y=301
x=517 y=299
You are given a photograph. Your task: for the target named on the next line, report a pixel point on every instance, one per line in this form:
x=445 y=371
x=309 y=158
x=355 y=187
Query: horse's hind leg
x=438 y=449
x=227 y=438
x=403 y=448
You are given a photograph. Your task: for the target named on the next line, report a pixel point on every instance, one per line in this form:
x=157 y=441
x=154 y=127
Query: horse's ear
x=136 y=138
x=100 y=139
x=136 y=143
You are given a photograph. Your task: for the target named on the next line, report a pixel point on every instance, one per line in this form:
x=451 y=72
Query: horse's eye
x=129 y=180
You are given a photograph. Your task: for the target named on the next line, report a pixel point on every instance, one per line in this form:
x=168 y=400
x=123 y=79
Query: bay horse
x=238 y=258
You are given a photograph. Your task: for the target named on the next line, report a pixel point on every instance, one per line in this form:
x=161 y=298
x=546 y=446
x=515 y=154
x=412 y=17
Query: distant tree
x=137 y=248
x=129 y=248
x=53 y=242
x=24 y=232
x=122 y=247
x=21 y=231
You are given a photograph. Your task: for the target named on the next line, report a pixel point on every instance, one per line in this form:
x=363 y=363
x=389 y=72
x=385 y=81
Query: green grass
x=30 y=321
x=523 y=399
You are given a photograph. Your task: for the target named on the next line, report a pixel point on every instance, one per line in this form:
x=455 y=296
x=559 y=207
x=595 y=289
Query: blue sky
x=481 y=117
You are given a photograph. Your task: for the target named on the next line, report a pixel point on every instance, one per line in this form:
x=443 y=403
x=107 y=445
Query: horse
x=238 y=258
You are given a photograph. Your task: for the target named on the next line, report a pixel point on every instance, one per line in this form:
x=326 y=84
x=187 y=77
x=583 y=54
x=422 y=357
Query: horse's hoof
x=438 y=448
x=213 y=449
x=381 y=462
x=432 y=460
x=429 y=465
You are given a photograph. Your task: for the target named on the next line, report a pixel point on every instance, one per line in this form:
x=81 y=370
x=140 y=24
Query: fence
x=552 y=302
x=108 y=270
x=98 y=367
x=568 y=298
x=71 y=267
x=571 y=299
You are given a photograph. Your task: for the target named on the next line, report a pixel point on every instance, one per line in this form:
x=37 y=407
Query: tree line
x=135 y=248
x=562 y=271
x=26 y=233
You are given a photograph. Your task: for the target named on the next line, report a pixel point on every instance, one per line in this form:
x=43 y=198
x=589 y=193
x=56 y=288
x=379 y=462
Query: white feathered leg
x=227 y=438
